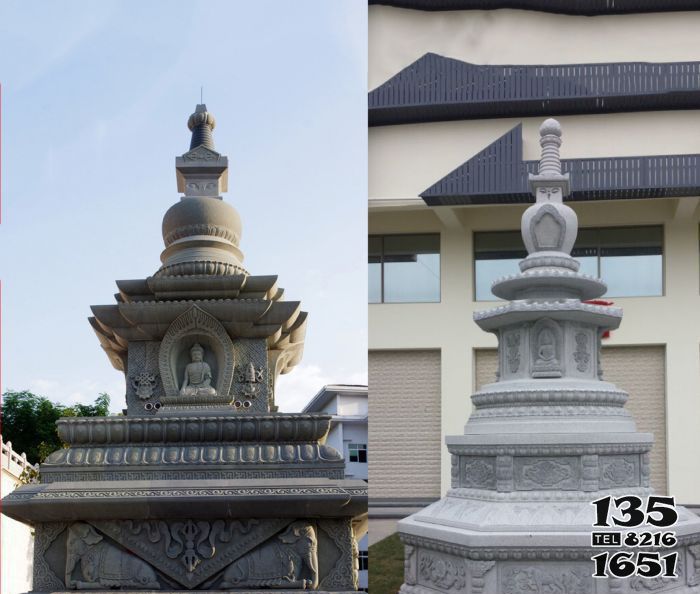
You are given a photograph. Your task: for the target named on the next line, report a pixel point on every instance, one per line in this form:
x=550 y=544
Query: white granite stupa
x=547 y=438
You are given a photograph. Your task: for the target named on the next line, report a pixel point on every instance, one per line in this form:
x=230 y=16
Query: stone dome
x=201 y=216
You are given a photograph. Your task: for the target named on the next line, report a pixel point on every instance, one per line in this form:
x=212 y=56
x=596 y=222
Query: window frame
x=661 y=226
x=382 y=236
x=358 y=447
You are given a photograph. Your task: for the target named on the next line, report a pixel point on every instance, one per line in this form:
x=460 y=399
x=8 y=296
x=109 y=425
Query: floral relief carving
x=618 y=472
x=533 y=580
x=547 y=473
x=582 y=356
x=479 y=473
x=513 y=351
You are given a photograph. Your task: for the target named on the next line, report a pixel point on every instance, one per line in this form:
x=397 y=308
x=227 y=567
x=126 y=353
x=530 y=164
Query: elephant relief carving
x=103 y=565
x=288 y=561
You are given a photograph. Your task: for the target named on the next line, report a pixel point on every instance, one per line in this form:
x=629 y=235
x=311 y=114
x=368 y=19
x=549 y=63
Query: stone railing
x=14 y=462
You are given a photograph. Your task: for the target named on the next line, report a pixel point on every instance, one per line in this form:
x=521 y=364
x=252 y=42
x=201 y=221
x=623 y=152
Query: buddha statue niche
x=197 y=379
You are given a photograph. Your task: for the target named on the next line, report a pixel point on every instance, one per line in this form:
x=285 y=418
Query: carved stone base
x=198 y=591
x=222 y=554
x=468 y=546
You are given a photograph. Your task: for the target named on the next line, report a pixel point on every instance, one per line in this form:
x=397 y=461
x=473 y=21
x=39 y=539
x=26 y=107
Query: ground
x=386 y=560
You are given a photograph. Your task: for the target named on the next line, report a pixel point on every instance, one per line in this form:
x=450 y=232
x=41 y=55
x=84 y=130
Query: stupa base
x=456 y=545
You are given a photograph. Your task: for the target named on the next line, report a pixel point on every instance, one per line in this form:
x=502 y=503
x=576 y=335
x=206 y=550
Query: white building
x=17 y=539
x=348 y=434
x=457 y=98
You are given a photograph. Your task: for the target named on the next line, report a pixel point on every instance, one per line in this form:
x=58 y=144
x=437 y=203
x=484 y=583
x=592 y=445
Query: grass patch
x=386 y=566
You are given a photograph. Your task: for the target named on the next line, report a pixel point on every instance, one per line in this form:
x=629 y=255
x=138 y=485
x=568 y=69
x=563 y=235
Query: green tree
x=29 y=421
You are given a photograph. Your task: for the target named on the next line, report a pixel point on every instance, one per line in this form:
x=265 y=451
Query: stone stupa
x=202 y=484
x=546 y=439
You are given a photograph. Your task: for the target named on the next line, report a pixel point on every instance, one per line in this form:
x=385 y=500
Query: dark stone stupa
x=202 y=484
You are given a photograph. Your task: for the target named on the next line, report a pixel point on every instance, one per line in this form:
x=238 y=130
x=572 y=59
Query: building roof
x=329 y=391
x=437 y=88
x=498 y=175
x=581 y=7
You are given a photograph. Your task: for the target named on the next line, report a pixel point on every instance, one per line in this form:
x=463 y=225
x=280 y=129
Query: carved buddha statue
x=197 y=379
x=546 y=351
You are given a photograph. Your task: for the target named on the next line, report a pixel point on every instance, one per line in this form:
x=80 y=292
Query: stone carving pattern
x=478 y=571
x=694 y=576
x=454 y=470
x=196 y=320
x=200 y=229
x=548 y=473
x=442 y=572
x=409 y=565
x=581 y=355
x=122 y=455
x=207 y=186
x=142 y=359
x=288 y=561
x=479 y=473
x=255 y=352
x=617 y=471
x=144 y=384
x=161 y=475
x=249 y=376
x=191 y=551
x=535 y=580
x=229 y=428
x=589 y=472
x=504 y=473
x=344 y=575
x=44 y=579
x=201 y=154
x=97 y=494
x=513 y=351
x=102 y=564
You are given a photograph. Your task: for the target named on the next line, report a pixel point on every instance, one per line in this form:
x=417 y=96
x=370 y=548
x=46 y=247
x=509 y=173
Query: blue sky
x=95 y=99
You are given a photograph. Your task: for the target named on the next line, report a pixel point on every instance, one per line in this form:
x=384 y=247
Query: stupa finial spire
x=201 y=123
x=550 y=141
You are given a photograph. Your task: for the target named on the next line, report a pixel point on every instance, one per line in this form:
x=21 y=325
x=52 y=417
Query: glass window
x=363 y=560
x=357 y=452
x=404 y=268
x=495 y=255
x=375 y=269
x=628 y=259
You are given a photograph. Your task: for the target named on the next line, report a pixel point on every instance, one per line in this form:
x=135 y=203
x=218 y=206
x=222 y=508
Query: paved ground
x=382 y=521
x=379 y=529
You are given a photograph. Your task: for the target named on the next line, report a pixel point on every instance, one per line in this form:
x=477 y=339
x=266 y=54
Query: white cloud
x=295 y=389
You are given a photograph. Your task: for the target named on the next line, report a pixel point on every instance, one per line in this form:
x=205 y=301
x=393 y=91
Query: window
x=357 y=452
x=628 y=259
x=404 y=268
x=364 y=560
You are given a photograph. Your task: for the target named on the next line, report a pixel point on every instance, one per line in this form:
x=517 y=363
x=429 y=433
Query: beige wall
x=398 y=37
x=672 y=320
x=404 y=429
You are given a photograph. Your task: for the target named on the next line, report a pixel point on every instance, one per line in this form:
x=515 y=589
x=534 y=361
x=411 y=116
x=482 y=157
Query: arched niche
x=546 y=348
x=196 y=326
